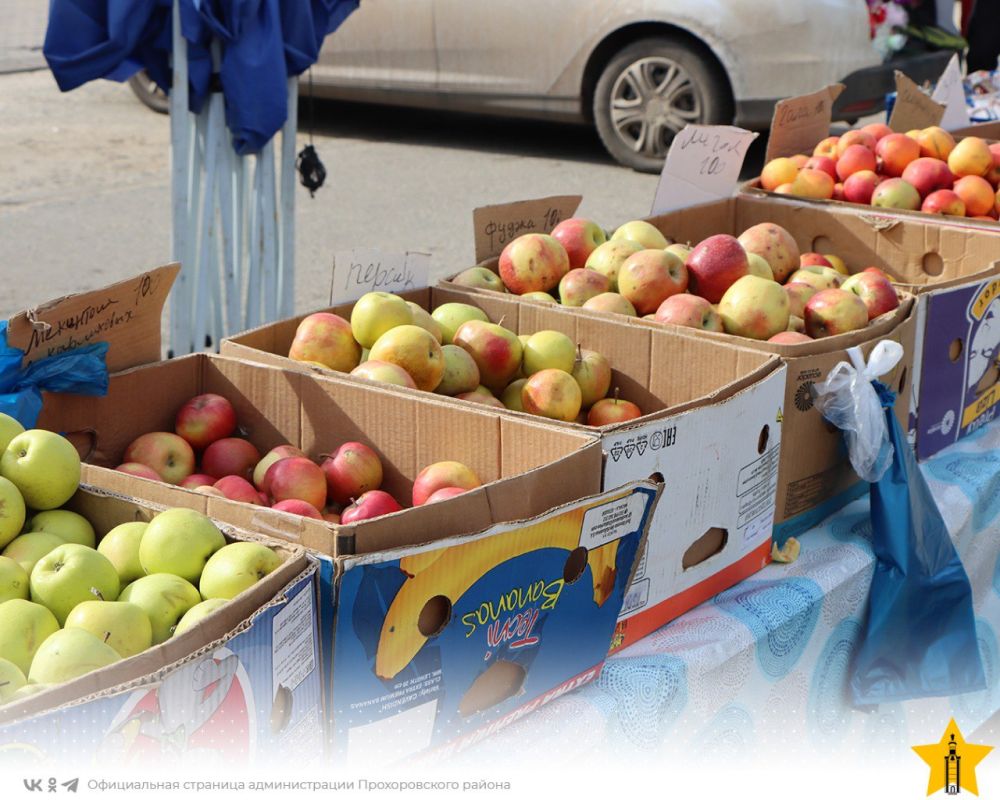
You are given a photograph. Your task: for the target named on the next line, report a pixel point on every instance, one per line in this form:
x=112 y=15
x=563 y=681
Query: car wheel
x=151 y=95
x=649 y=91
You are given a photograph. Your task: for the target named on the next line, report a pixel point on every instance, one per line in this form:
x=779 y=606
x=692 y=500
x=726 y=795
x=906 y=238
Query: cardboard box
x=244 y=685
x=712 y=529
x=815 y=477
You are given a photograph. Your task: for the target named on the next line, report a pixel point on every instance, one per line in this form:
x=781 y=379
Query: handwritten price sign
x=357 y=272
x=703 y=165
x=496 y=226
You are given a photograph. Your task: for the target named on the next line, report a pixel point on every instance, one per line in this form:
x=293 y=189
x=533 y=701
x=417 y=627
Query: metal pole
x=286 y=264
x=180 y=138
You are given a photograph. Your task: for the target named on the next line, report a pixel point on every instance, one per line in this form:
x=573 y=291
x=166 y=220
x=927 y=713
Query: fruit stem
x=617 y=390
x=107 y=636
x=96 y=592
x=579 y=352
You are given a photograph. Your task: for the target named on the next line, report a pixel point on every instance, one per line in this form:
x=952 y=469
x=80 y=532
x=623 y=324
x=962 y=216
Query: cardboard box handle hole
x=500 y=682
x=576 y=563
x=434 y=616
x=765 y=434
x=823 y=244
x=710 y=543
x=932 y=264
x=955 y=350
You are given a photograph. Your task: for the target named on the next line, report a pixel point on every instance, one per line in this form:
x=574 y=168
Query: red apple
x=299 y=507
x=798 y=295
x=579 y=237
x=534 y=262
x=438 y=476
x=896 y=193
x=824 y=163
x=296 y=478
x=855 y=158
x=814 y=260
x=943 y=201
x=274 y=454
x=445 y=494
x=351 y=470
x=326 y=339
x=375 y=503
x=714 y=265
x=647 y=278
x=140 y=471
x=690 y=311
x=578 y=285
x=860 y=186
x=170 y=456
x=196 y=480
x=230 y=456
x=240 y=489
x=927 y=175
x=205 y=419
x=834 y=311
x=897 y=151
x=775 y=245
x=790 y=337
x=875 y=291
x=496 y=351
x=852 y=138
x=879 y=130
x=612 y=410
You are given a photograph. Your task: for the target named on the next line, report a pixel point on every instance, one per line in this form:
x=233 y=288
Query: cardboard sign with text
x=800 y=122
x=126 y=315
x=913 y=109
x=702 y=165
x=951 y=92
x=359 y=271
x=494 y=227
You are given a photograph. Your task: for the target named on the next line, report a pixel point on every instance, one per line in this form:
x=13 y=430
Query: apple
x=11 y=679
x=423 y=319
x=814 y=260
x=552 y=393
x=896 y=151
x=780 y=171
x=13 y=580
x=196 y=480
x=540 y=297
x=879 y=130
x=855 y=138
x=790 y=337
x=28 y=548
x=798 y=295
x=383 y=372
x=827 y=147
x=70 y=574
x=612 y=303
x=165 y=598
x=834 y=311
x=479 y=278
x=9 y=428
x=67 y=525
x=496 y=351
x=170 y=456
x=231 y=456
x=377 y=312
x=577 y=286
x=451 y=317
x=68 y=654
x=28 y=690
x=140 y=471
x=199 y=612
x=209 y=490
x=855 y=158
x=44 y=467
x=875 y=291
x=24 y=626
x=460 y=372
x=12 y=512
x=511 y=396
x=759 y=267
x=415 y=350
x=328 y=340
x=446 y=493
x=754 y=307
x=976 y=194
x=296 y=478
x=179 y=541
x=860 y=187
x=837 y=263
x=993 y=176
x=120 y=546
x=689 y=311
x=298 y=507
x=579 y=237
x=441 y=474
x=592 y=373
x=775 y=245
x=123 y=626
x=204 y=419
x=813 y=183
x=642 y=233
x=611 y=411
x=534 y=262
x=927 y=175
x=714 y=265
x=824 y=163
x=548 y=350
x=943 y=201
x=796 y=324
x=239 y=489
x=970 y=156
x=235 y=568
x=649 y=277
x=351 y=470
x=274 y=454
x=608 y=258
x=375 y=503
x=818 y=277
x=896 y=193
x=481 y=399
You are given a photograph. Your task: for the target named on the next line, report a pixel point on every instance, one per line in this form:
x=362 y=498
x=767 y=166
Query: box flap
x=495 y=226
x=800 y=122
x=913 y=108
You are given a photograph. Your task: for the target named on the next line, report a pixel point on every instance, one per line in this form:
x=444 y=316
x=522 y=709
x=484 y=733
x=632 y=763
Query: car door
x=386 y=44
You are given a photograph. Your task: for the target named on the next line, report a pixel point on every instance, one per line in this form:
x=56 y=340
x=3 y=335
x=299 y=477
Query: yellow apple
x=68 y=654
x=44 y=467
x=12 y=512
x=67 y=525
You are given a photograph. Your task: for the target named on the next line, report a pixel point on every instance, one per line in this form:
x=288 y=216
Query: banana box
x=438 y=646
x=243 y=687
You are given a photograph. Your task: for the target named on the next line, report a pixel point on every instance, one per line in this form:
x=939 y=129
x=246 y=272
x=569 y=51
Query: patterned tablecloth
x=761 y=670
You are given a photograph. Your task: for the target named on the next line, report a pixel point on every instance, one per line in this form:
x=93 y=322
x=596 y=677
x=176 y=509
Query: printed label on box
x=292 y=644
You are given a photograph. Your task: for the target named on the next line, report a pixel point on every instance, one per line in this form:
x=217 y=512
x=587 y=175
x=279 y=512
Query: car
x=637 y=72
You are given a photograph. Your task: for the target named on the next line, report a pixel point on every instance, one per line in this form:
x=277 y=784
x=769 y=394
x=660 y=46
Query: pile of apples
x=70 y=605
x=457 y=351
x=203 y=454
x=758 y=285
x=923 y=170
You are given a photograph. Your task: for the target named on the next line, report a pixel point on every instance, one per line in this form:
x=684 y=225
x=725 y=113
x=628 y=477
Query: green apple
x=27 y=690
x=28 y=548
x=235 y=568
x=198 y=613
x=179 y=541
x=9 y=428
x=377 y=312
x=11 y=679
x=71 y=574
x=68 y=654
x=548 y=350
x=11 y=511
x=23 y=627
x=451 y=317
x=13 y=580
x=44 y=466
x=120 y=546
x=165 y=599
x=124 y=626
x=423 y=319
x=67 y=525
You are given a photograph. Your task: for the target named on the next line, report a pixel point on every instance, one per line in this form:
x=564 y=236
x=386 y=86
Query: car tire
x=698 y=94
x=149 y=94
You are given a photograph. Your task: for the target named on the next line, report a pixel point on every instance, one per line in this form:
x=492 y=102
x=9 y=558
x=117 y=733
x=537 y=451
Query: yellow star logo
x=952 y=761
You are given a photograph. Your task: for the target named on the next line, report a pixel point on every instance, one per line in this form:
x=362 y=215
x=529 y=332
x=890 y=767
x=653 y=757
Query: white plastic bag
x=849 y=401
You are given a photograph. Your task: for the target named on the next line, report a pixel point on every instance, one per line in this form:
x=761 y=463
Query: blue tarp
x=262 y=43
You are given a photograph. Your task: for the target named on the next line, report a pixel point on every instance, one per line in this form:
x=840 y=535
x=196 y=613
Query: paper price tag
x=799 y=123
x=703 y=164
x=950 y=92
x=496 y=226
x=913 y=108
x=359 y=271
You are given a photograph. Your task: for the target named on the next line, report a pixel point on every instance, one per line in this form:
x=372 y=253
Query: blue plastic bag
x=80 y=371
x=919 y=635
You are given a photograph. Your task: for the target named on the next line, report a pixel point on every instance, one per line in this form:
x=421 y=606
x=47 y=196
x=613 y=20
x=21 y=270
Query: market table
x=761 y=671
